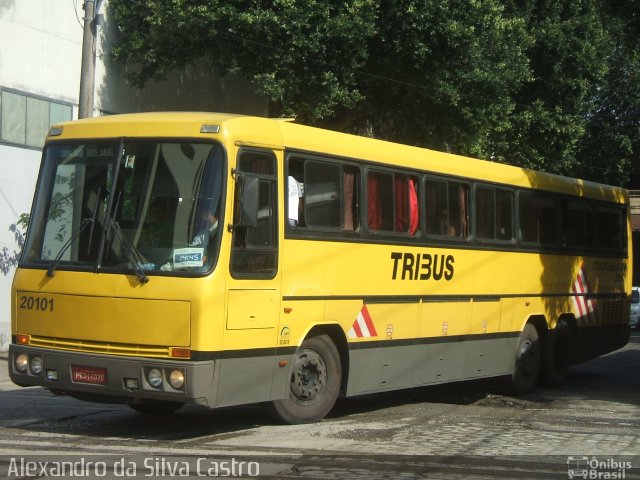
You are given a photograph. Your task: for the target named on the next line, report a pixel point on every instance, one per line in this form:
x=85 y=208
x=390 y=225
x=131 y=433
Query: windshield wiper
x=131 y=252
x=52 y=268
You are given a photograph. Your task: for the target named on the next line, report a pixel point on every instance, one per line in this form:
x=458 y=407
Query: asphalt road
x=589 y=427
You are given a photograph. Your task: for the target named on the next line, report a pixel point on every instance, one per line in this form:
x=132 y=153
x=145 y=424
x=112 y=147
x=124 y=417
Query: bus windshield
x=127 y=205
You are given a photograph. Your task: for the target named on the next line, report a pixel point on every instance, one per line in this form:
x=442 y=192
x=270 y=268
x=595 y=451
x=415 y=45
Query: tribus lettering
x=422 y=266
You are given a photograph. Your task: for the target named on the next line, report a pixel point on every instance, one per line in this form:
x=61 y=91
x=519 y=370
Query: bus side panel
x=245 y=380
x=380 y=336
x=484 y=358
x=247 y=369
x=376 y=367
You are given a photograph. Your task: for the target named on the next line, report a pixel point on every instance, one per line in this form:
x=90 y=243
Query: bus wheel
x=156 y=407
x=316 y=376
x=528 y=360
x=557 y=355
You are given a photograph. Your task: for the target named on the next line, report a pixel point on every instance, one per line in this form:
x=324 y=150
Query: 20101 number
x=42 y=304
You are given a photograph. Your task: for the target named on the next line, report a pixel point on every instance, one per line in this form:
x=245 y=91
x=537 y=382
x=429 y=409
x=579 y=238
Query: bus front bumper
x=109 y=379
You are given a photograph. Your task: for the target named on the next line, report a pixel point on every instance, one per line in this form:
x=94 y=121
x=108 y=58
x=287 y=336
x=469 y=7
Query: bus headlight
x=36 y=365
x=176 y=379
x=20 y=362
x=154 y=377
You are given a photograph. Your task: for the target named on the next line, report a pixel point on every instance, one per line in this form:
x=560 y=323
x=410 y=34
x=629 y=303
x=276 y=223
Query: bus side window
x=447 y=208
x=322 y=194
x=504 y=214
x=494 y=213
x=392 y=203
x=538 y=223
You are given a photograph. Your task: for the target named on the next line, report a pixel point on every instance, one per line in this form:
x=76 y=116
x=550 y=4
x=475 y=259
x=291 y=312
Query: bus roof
x=283 y=133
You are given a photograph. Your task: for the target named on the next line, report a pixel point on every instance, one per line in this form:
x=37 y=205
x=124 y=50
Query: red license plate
x=94 y=375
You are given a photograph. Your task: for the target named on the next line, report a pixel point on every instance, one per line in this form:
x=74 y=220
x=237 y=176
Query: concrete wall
x=40 y=55
x=40 y=49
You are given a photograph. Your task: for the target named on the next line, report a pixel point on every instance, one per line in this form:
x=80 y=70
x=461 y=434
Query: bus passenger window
x=392 y=203
x=538 y=219
x=578 y=219
x=322 y=195
x=380 y=201
x=485 y=213
x=494 y=213
x=446 y=206
x=610 y=234
x=504 y=214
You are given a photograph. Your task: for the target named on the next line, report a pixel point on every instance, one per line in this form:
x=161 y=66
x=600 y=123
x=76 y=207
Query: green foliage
x=9 y=258
x=541 y=84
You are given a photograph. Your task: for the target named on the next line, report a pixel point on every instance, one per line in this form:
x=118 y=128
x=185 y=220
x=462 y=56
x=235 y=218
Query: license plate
x=94 y=375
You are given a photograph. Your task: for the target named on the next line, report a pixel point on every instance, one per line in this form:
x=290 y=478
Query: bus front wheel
x=528 y=361
x=314 y=386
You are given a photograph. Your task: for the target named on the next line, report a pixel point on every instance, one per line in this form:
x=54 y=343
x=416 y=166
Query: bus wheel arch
x=558 y=351
x=528 y=357
x=316 y=379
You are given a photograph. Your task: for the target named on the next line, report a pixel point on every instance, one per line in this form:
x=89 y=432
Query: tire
x=153 y=407
x=557 y=355
x=316 y=376
x=527 y=362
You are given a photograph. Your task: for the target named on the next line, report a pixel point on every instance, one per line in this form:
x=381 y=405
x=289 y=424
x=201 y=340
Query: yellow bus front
x=120 y=293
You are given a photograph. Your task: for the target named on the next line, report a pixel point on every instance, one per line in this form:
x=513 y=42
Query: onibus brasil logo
x=595 y=468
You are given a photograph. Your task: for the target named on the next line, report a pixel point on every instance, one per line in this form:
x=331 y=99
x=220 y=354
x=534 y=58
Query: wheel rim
x=309 y=377
x=528 y=361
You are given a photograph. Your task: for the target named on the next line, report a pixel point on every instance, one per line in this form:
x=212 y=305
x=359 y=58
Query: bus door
x=253 y=288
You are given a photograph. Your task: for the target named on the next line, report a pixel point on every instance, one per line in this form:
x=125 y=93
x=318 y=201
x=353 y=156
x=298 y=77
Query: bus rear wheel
x=316 y=375
x=528 y=361
x=557 y=355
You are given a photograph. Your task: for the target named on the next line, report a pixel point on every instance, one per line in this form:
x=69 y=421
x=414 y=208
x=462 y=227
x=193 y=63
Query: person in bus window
x=158 y=232
x=207 y=230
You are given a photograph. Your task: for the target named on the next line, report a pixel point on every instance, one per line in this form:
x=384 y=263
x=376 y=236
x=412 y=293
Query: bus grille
x=613 y=312
x=101 y=347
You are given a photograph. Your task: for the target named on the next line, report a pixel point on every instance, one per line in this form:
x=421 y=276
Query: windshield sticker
x=130 y=161
x=188 y=257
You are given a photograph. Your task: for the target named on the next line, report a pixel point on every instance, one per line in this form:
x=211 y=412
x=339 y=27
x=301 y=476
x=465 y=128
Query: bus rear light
x=180 y=352
x=22 y=339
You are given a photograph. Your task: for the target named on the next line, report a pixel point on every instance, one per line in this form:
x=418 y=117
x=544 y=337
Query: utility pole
x=88 y=66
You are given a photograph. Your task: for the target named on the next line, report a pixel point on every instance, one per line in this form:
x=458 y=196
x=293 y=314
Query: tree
x=429 y=73
x=611 y=146
x=9 y=258
x=568 y=61
x=526 y=82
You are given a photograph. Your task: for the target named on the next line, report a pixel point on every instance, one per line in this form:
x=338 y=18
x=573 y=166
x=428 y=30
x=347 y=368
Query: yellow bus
x=215 y=259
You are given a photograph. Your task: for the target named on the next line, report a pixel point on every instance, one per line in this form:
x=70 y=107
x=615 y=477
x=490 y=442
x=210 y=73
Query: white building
x=40 y=60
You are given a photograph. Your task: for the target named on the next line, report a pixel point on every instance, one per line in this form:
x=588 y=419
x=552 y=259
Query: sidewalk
x=5 y=382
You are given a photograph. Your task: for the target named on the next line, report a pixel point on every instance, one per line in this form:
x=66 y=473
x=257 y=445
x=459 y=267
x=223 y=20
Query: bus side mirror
x=246 y=201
